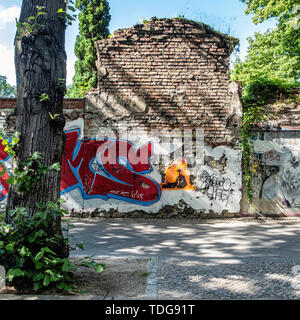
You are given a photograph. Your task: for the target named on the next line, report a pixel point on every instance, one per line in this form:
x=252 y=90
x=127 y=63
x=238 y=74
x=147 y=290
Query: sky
x=226 y=16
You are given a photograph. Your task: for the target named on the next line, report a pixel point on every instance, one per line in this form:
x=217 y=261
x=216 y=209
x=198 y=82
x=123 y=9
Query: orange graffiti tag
x=177 y=176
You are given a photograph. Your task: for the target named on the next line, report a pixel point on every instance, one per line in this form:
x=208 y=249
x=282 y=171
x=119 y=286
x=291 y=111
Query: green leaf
x=38 y=265
x=65 y=267
x=41 y=233
x=46 y=281
x=39 y=276
x=10 y=180
x=36 y=156
x=99 y=268
x=37 y=286
x=46 y=249
x=2 y=172
x=24 y=251
x=55 y=166
x=10 y=247
x=39 y=256
x=79 y=245
x=15 y=140
x=13 y=273
x=40 y=205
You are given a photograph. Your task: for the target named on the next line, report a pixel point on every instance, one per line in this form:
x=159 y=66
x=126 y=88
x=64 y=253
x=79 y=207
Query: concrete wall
x=276 y=173
x=162 y=185
x=211 y=185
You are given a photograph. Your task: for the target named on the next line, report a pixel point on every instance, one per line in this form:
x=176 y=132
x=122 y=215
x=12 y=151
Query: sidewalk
x=232 y=259
x=195 y=259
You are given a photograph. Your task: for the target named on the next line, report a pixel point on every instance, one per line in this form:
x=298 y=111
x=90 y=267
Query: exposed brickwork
x=68 y=103
x=73 y=110
x=7 y=103
x=284 y=113
x=168 y=73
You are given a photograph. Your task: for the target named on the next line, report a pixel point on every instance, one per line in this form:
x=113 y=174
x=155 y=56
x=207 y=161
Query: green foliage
x=261 y=92
x=253 y=114
x=94 y=19
x=87 y=262
x=256 y=96
x=271 y=69
x=275 y=54
x=28 y=245
x=6 y=90
x=29 y=172
x=31 y=26
x=266 y=9
x=10 y=143
x=44 y=97
x=69 y=14
x=28 y=251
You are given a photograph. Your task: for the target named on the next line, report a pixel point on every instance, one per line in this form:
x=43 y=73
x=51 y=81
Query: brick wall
x=68 y=103
x=73 y=109
x=168 y=73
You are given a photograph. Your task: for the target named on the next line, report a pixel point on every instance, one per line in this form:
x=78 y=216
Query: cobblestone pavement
x=233 y=259
x=184 y=279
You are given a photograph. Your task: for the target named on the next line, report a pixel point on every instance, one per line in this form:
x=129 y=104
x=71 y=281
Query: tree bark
x=40 y=62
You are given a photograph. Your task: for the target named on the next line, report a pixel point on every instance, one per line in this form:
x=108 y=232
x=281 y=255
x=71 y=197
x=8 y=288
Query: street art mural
x=108 y=169
x=4 y=162
x=122 y=174
x=177 y=176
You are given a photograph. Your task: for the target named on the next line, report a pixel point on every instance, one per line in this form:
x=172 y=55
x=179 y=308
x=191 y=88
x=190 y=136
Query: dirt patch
x=125 y=277
x=122 y=277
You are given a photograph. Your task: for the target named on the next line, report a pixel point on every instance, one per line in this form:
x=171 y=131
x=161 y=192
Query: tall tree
x=40 y=62
x=275 y=54
x=94 y=19
x=6 y=90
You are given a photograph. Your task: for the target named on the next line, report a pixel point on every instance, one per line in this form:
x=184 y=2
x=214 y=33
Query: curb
x=151 y=284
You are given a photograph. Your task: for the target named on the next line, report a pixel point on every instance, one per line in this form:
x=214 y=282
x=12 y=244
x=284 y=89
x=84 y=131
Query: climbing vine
x=256 y=96
x=255 y=114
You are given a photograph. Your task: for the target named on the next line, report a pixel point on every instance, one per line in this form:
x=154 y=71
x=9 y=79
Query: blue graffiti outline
x=7 y=170
x=75 y=171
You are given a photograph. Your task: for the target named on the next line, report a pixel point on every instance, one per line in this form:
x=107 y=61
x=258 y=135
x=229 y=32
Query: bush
x=28 y=251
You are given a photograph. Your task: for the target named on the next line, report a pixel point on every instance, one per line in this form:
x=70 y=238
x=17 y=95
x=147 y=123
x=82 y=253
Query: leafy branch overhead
x=94 y=19
x=6 y=90
x=271 y=67
x=275 y=54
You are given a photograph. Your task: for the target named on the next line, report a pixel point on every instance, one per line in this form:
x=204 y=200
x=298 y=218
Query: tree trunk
x=40 y=61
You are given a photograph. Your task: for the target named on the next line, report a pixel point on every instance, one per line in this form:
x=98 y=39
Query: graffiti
x=271 y=155
x=291 y=181
x=177 y=176
x=276 y=175
x=108 y=169
x=112 y=173
x=4 y=186
x=215 y=188
x=261 y=173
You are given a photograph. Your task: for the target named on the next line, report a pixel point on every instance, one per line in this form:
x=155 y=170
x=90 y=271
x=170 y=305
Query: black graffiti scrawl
x=214 y=187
